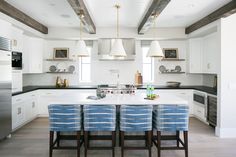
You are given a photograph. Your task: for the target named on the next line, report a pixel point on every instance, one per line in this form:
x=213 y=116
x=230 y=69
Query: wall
x=208 y=80
x=100 y=70
x=227 y=86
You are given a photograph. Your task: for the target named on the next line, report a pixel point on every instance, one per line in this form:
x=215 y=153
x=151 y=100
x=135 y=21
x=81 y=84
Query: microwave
x=16 y=60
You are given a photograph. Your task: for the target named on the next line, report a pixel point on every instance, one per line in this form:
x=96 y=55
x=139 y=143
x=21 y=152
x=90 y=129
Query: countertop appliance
x=5 y=87
x=16 y=60
x=200 y=98
x=212 y=109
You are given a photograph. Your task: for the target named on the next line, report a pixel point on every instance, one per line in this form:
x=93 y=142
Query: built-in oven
x=16 y=60
x=200 y=98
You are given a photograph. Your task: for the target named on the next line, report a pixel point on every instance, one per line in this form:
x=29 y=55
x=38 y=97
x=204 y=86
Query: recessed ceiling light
x=191 y=5
x=65 y=15
x=52 y=4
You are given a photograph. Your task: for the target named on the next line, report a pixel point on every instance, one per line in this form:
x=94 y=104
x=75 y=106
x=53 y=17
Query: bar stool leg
x=119 y=138
x=51 y=143
x=85 y=143
x=122 y=138
x=78 y=143
x=177 y=137
x=186 y=143
x=149 y=142
x=158 y=144
x=113 y=143
x=58 y=139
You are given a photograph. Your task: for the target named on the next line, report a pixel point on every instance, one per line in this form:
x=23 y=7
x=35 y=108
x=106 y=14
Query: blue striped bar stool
x=136 y=118
x=64 y=118
x=99 y=118
x=171 y=118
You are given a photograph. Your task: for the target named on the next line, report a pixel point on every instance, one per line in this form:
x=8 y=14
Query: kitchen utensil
x=162 y=68
x=178 y=68
x=138 y=78
x=71 y=68
x=173 y=84
x=52 y=68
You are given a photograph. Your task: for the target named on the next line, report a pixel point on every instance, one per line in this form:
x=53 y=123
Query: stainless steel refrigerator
x=5 y=87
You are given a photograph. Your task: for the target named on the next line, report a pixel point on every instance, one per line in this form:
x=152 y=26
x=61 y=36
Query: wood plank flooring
x=32 y=141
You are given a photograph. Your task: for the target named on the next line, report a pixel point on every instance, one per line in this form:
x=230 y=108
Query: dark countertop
x=206 y=89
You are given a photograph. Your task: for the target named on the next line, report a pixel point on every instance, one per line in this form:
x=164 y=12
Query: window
x=148 y=66
x=85 y=67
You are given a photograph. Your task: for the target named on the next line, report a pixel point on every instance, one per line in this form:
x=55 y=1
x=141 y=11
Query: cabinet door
x=199 y=112
x=17 y=39
x=211 y=54
x=5 y=30
x=18 y=114
x=33 y=55
x=195 y=55
x=17 y=80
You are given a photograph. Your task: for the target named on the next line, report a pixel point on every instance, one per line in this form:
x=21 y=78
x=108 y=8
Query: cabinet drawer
x=199 y=111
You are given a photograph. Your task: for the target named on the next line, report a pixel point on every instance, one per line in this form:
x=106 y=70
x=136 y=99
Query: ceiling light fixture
x=81 y=47
x=117 y=49
x=155 y=49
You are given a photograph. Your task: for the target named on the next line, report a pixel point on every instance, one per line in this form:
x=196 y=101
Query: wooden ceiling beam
x=13 y=12
x=222 y=12
x=87 y=21
x=156 y=8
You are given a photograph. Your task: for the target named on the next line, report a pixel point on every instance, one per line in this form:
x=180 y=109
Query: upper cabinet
x=204 y=54
x=33 y=55
x=211 y=54
x=195 y=55
x=17 y=39
x=5 y=29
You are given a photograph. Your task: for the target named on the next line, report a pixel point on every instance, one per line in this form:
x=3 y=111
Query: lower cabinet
x=200 y=112
x=24 y=109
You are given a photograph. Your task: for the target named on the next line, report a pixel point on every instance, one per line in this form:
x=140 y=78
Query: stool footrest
x=100 y=148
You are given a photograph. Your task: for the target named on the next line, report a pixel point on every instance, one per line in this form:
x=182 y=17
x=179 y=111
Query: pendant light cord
x=117 y=20
x=80 y=25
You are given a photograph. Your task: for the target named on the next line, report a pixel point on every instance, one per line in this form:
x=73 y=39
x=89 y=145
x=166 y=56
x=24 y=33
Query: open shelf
x=58 y=60
x=59 y=72
x=173 y=60
x=172 y=72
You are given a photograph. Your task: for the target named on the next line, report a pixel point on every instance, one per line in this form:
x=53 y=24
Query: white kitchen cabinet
x=24 y=109
x=33 y=55
x=5 y=30
x=17 y=81
x=199 y=112
x=204 y=54
x=17 y=39
x=211 y=53
x=18 y=111
x=195 y=55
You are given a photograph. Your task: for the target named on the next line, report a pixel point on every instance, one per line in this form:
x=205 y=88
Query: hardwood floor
x=32 y=141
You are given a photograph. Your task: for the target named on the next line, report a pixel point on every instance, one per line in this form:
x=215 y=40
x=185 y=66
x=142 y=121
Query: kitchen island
x=120 y=99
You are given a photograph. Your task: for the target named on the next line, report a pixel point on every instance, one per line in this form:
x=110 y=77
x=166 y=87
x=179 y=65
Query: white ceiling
x=182 y=13
x=58 y=13
x=52 y=13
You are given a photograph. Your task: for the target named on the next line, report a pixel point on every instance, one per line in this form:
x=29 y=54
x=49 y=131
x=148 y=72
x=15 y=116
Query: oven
x=200 y=99
x=16 y=60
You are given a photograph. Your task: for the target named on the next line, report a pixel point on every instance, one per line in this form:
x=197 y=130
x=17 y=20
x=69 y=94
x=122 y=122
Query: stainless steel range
x=114 y=89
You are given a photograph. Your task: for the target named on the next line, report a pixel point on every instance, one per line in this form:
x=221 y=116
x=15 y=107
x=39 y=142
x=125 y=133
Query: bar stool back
x=171 y=118
x=64 y=118
x=136 y=118
x=99 y=118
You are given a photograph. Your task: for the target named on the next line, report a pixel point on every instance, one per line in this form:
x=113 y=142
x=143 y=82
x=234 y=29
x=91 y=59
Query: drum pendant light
x=81 y=48
x=117 y=49
x=155 y=49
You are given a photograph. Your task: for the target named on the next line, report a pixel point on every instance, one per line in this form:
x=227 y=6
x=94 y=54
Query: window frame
x=81 y=63
x=152 y=63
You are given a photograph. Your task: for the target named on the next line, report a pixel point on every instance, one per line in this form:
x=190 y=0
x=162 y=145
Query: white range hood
x=104 y=49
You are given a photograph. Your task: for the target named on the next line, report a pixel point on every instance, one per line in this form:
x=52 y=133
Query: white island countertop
x=120 y=99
